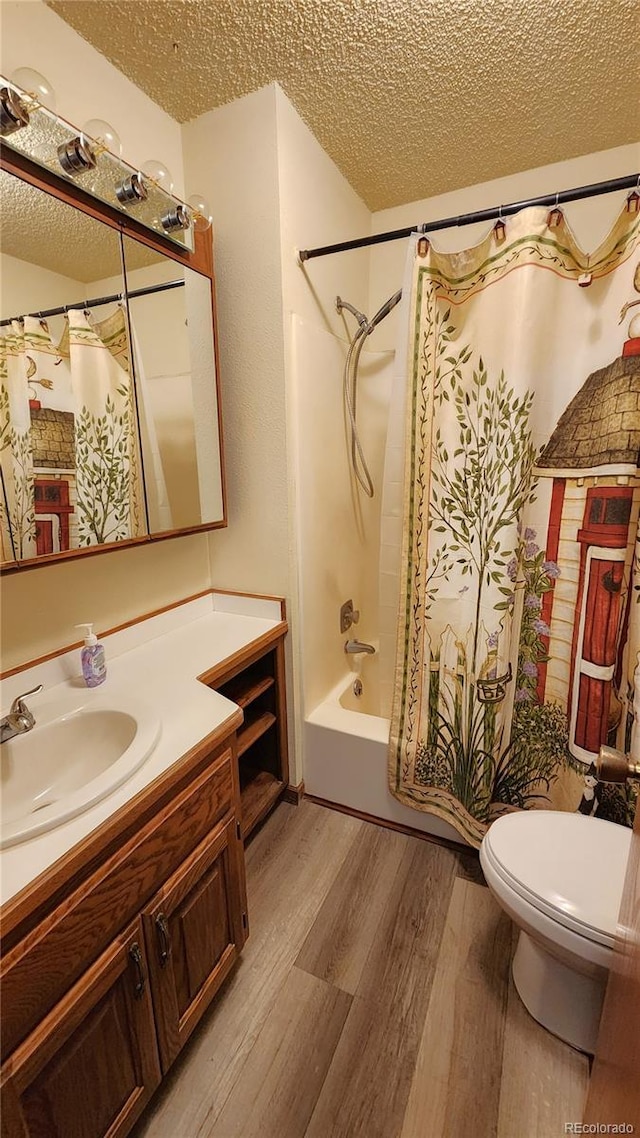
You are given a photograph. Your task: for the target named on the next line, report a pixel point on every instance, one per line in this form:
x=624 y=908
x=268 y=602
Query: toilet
x=559 y=877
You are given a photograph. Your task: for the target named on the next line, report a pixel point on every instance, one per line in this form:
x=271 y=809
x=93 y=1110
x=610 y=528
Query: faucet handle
x=18 y=707
x=348 y=616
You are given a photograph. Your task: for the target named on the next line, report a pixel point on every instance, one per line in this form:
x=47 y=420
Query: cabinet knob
x=135 y=955
x=164 y=940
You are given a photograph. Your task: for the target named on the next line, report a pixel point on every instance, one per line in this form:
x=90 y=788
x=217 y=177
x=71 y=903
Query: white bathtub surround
x=157 y=661
x=338 y=526
x=346 y=755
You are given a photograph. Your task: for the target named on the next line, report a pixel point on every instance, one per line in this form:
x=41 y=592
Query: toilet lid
x=569 y=866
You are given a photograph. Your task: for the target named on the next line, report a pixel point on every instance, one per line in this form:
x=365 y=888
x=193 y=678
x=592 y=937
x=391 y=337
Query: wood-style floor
x=373 y=1000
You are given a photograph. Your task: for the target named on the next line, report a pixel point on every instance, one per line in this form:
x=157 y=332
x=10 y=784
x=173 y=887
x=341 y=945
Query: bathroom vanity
x=120 y=925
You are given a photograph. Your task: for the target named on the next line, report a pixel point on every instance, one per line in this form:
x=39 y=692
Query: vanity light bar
x=32 y=129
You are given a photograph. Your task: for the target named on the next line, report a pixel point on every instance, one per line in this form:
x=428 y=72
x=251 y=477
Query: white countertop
x=156 y=661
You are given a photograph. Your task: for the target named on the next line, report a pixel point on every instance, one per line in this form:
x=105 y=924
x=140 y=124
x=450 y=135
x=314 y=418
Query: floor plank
x=341 y=937
x=544 y=1082
x=281 y=1080
x=368 y=1083
x=291 y=865
x=456 y=1086
x=392 y=1024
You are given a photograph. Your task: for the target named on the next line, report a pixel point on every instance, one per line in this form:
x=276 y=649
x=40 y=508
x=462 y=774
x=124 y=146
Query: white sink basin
x=61 y=768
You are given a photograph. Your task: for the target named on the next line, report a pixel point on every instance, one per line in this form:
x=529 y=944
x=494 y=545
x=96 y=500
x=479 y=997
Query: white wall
x=41 y=605
x=328 y=533
x=231 y=152
x=273 y=189
x=25 y=287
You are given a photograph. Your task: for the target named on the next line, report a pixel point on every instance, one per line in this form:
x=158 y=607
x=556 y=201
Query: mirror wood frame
x=200 y=260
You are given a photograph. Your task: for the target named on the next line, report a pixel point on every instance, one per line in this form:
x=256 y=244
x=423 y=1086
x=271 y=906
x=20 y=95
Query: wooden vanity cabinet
x=193 y=930
x=92 y=1064
x=103 y=984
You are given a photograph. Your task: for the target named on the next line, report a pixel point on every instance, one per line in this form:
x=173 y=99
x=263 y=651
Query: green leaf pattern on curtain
x=473 y=732
x=68 y=435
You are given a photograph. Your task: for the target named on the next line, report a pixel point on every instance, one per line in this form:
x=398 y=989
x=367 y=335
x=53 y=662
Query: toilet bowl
x=559 y=877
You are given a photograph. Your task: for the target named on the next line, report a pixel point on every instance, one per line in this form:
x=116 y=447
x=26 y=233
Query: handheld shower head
x=384 y=311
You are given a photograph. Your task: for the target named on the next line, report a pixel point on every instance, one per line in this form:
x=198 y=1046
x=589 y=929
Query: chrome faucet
x=20 y=719
x=354 y=647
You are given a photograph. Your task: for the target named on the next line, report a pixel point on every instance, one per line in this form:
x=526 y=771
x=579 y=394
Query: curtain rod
x=97 y=302
x=628 y=182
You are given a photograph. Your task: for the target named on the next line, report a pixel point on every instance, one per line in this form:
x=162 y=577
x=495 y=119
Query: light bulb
x=201 y=211
x=101 y=136
x=159 y=174
x=36 y=88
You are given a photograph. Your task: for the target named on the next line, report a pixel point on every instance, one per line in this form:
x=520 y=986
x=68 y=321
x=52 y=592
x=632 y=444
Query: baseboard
x=459 y=847
x=294 y=794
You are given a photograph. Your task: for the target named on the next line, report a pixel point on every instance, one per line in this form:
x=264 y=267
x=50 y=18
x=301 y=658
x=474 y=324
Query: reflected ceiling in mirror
x=39 y=228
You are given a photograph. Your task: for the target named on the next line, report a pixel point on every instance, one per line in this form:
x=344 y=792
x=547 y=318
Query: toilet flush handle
x=615 y=766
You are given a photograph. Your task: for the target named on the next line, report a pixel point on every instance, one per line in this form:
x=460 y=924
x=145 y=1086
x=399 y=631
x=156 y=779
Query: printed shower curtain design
x=68 y=439
x=519 y=639
x=107 y=466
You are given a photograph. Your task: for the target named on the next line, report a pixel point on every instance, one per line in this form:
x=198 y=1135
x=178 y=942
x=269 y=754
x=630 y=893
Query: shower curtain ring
x=500 y=229
x=555 y=217
x=633 y=200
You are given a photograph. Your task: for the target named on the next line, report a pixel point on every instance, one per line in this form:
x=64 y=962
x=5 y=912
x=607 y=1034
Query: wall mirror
x=109 y=394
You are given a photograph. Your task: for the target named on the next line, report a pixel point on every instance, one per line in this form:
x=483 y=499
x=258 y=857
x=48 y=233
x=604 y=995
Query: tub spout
x=355 y=647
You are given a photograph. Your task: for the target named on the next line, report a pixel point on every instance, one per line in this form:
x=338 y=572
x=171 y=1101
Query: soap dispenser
x=94 y=666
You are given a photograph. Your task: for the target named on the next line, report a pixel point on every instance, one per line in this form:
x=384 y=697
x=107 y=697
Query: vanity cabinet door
x=195 y=929
x=91 y=1065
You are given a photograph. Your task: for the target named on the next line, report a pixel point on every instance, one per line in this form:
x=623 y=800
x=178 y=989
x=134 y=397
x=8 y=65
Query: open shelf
x=258 y=796
x=257 y=685
x=251 y=732
x=243 y=694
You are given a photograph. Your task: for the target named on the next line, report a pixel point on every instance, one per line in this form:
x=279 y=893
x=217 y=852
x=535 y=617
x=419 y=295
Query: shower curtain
x=68 y=436
x=23 y=361
x=518 y=641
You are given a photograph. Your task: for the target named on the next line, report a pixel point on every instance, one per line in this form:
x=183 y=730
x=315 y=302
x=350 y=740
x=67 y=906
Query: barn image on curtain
x=592 y=459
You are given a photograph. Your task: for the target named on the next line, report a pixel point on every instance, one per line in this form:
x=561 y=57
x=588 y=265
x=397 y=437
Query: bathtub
x=346 y=741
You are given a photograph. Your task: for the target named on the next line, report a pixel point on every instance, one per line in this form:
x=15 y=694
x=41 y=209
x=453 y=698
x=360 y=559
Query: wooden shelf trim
x=248 y=735
x=244 y=696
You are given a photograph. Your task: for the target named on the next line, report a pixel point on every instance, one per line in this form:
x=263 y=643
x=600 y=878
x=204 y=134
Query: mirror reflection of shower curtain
x=71 y=473
x=158 y=506
x=108 y=478
x=17 y=365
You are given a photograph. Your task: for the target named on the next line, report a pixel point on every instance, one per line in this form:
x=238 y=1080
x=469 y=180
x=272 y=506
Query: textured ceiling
x=44 y=231
x=409 y=97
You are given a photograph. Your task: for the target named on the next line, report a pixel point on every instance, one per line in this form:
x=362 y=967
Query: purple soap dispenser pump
x=94 y=666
